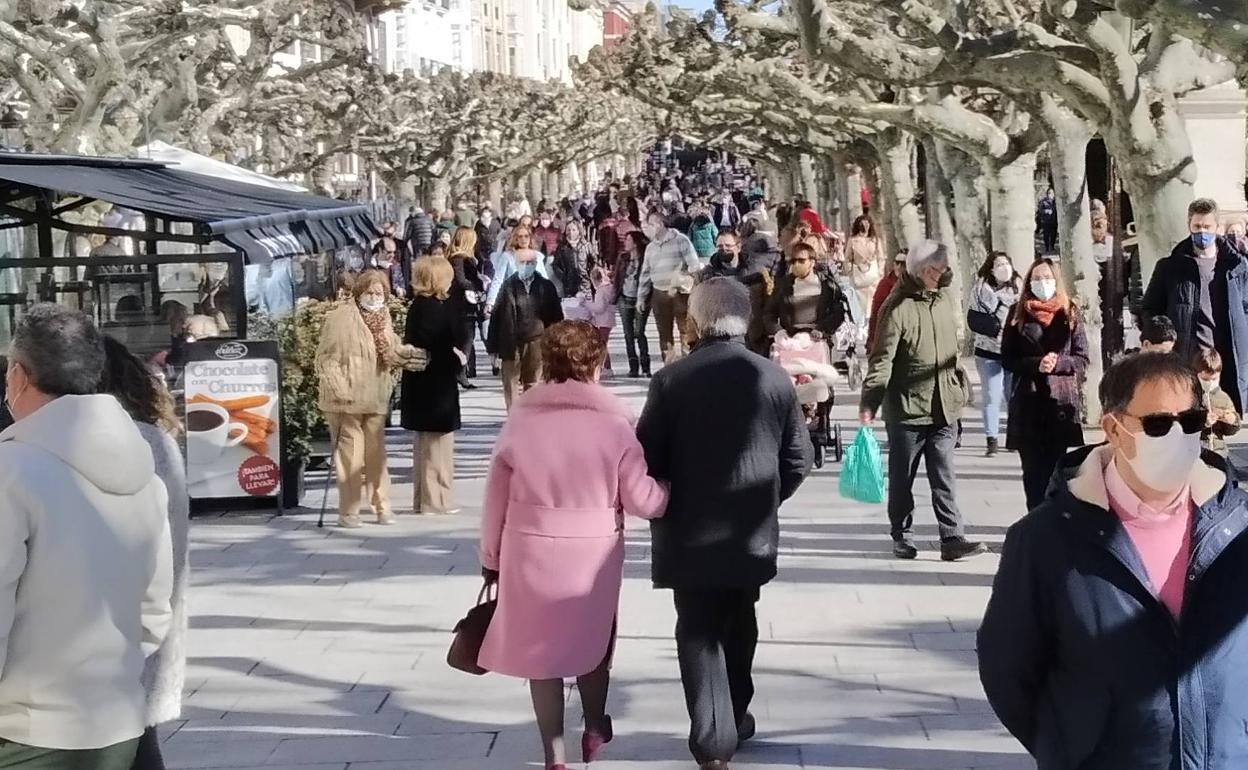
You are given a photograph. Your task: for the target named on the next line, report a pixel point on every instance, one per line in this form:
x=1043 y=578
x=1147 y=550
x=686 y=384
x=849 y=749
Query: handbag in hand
x=470 y=632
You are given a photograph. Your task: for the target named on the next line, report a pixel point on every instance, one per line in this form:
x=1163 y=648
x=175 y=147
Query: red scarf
x=1044 y=310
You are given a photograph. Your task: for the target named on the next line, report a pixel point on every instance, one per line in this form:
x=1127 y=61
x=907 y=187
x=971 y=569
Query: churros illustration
x=259 y=427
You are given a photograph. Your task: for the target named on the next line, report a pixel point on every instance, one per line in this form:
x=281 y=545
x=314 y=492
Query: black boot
x=992 y=447
x=633 y=371
x=960 y=548
x=904 y=549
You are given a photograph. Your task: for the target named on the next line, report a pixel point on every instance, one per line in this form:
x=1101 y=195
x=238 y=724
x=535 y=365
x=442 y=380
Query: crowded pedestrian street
x=323 y=649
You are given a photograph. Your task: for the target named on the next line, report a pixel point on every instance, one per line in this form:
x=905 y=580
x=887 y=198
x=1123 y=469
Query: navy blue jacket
x=1174 y=291
x=1086 y=667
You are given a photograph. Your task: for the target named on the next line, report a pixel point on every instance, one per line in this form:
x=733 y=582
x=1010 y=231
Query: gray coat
x=165 y=672
x=999 y=302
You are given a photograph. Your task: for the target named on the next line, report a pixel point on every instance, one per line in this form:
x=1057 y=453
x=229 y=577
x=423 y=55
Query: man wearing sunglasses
x=1116 y=632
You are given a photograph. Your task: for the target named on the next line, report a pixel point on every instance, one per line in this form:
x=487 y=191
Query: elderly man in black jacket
x=724 y=428
x=1115 y=636
x=1203 y=288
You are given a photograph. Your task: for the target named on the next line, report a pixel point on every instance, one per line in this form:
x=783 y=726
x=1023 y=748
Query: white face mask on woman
x=1044 y=288
x=372 y=304
x=1002 y=273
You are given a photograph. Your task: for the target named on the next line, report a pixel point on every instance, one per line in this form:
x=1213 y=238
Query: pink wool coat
x=566 y=468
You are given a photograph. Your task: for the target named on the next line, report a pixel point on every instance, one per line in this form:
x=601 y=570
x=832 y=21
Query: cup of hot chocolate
x=209 y=432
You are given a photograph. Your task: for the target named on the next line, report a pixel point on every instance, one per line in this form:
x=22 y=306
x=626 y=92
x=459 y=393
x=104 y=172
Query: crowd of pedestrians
x=1111 y=636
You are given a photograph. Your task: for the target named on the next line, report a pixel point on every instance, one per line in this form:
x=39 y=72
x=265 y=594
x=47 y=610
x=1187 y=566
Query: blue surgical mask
x=1203 y=240
x=526 y=270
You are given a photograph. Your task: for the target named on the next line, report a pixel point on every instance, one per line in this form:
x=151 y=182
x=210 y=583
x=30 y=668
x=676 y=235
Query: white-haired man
x=724 y=428
x=914 y=375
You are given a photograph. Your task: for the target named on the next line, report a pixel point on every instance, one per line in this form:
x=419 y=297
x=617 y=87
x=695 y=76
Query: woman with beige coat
x=357 y=352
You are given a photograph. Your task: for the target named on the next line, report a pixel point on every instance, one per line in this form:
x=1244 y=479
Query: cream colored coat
x=352 y=379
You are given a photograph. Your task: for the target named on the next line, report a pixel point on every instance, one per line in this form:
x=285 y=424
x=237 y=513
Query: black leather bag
x=987 y=324
x=470 y=632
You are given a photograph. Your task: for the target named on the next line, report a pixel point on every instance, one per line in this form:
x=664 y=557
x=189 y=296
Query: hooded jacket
x=913 y=371
x=1085 y=666
x=86 y=574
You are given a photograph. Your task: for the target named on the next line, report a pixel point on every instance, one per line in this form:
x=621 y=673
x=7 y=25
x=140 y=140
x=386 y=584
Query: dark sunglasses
x=1158 y=425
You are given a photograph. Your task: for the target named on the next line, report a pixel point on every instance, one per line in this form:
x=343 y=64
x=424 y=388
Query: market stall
x=158 y=256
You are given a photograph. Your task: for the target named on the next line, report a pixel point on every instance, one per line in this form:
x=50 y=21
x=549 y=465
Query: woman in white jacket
x=148 y=402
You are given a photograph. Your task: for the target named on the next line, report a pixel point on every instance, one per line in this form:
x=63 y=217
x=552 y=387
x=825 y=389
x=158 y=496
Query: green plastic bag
x=862 y=475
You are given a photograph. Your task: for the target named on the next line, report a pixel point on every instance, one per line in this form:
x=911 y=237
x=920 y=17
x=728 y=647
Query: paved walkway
x=323 y=649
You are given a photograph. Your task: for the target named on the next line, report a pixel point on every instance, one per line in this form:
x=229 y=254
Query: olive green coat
x=916 y=353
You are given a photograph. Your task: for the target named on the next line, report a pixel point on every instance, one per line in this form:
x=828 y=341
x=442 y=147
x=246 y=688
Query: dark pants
x=467 y=343
x=1038 y=461
x=907 y=445
x=716 y=633
x=116 y=757
x=1049 y=232
x=635 y=342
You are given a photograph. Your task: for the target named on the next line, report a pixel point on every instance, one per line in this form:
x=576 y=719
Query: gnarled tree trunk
x=895 y=149
x=1012 y=188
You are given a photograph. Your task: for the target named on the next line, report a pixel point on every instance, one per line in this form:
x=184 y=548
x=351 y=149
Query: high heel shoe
x=594 y=739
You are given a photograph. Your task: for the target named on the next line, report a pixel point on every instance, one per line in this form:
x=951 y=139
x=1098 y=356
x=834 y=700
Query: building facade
x=426 y=35
x=533 y=38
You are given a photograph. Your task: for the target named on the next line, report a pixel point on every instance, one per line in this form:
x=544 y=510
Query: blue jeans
x=994 y=384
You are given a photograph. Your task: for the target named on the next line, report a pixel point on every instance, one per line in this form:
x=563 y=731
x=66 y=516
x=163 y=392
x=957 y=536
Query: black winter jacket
x=833 y=307
x=728 y=476
x=1086 y=667
x=418 y=232
x=521 y=315
x=1174 y=291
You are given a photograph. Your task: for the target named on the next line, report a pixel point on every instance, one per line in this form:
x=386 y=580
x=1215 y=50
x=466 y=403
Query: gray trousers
x=119 y=756
x=907 y=445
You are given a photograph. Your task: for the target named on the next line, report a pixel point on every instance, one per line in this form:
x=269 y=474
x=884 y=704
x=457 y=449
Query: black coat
x=728 y=476
x=418 y=232
x=564 y=271
x=1174 y=291
x=1044 y=408
x=518 y=309
x=467 y=279
x=430 y=399
x=833 y=307
x=487 y=242
x=1087 y=668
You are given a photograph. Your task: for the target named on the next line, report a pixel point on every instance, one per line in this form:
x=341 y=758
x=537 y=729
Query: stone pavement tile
x=375 y=748
x=319 y=702
x=285 y=725
x=181 y=753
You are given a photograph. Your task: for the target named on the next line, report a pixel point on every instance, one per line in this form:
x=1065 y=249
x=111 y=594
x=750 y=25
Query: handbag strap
x=488 y=592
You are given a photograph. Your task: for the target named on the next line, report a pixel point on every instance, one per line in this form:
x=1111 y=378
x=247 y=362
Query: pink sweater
x=1162 y=537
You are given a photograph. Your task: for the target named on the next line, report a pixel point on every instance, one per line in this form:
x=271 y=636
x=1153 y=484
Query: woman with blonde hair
x=468 y=295
x=430 y=399
x=556 y=549
x=521 y=239
x=357 y=352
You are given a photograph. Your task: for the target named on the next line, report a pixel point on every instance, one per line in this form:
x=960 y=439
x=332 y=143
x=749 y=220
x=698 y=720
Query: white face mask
x=372 y=304
x=1208 y=386
x=1002 y=273
x=1164 y=463
x=1044 y=288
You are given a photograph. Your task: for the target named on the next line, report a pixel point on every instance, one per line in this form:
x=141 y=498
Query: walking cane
x=329 y=475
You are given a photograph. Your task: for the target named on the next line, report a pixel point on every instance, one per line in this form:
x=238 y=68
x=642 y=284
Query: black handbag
x=987 y=324
x=470 y=632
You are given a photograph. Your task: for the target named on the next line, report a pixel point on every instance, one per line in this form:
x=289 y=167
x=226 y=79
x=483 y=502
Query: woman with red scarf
x=1046 y=349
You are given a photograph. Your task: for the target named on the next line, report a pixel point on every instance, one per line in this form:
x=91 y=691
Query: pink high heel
x=594 y=739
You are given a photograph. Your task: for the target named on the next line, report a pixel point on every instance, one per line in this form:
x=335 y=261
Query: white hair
x=720 y=307
x=925 y=254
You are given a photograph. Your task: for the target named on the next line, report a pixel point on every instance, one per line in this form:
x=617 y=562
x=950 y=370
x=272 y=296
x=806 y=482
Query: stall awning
x=262 y=222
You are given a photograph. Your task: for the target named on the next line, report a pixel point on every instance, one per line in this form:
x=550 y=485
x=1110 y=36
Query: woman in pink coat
x=566 y=468
x=602 y=308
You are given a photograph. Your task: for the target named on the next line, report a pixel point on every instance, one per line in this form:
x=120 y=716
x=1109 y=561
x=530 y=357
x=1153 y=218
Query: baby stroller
x=809 y=362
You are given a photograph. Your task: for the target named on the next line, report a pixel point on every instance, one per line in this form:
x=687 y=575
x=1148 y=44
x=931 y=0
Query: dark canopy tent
x=261 y=222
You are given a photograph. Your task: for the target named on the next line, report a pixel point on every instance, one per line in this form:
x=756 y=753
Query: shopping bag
x=470 y=632
x=862 y=473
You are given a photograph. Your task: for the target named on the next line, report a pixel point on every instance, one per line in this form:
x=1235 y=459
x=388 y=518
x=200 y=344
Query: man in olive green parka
x=914 y=375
